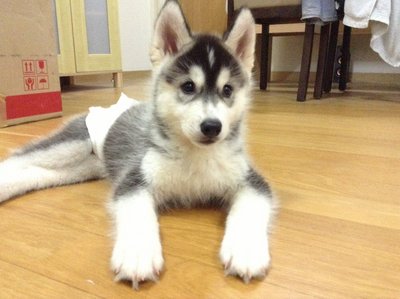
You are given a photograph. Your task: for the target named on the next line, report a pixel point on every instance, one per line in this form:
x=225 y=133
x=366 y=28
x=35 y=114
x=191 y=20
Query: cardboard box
x=29 y=81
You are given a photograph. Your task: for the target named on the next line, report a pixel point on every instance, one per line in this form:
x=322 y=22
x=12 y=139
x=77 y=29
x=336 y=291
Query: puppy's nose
x=211 y=127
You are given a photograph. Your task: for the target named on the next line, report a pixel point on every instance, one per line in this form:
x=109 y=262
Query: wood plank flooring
x=334 y=163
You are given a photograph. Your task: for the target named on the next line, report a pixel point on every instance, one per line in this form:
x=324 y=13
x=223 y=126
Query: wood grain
x=205 y=15
x=334 y=163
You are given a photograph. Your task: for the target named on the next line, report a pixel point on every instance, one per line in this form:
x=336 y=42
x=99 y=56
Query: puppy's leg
x=63 y=158
x=245 y=248
x=137 y=254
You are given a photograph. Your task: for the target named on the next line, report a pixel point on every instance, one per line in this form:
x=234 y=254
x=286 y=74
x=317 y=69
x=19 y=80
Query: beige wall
x=287 y=51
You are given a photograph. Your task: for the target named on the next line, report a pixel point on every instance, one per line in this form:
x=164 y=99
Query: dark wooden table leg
x=323 y=49
x=345 y=58
x=305 y=62
x=264 y=66
x=330 y=62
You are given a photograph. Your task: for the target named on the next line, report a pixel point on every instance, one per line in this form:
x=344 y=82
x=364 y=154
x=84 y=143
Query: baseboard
x=288 y=76
x=369 y=78
x=103 y=80
x=380 y=78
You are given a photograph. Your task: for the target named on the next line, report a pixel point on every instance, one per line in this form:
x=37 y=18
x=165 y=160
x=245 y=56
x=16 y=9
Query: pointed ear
x=241 y=38
x=171 y=32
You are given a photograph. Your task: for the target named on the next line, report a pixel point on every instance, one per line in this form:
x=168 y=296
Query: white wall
x=136 y=18
x=365 y=60
x=287 y=50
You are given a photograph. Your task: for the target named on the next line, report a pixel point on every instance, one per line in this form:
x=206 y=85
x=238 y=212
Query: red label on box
x=33 y=104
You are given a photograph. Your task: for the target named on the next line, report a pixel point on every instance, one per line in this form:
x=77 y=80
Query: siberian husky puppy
x=184 y=148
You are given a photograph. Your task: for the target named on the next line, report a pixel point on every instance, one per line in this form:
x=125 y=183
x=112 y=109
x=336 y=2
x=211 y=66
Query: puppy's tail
x=63 y=158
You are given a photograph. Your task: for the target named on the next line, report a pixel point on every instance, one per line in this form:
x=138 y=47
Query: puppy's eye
x=227 y=90
x=188 y=87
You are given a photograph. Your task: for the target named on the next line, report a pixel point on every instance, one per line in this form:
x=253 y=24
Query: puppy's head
x=202 y=81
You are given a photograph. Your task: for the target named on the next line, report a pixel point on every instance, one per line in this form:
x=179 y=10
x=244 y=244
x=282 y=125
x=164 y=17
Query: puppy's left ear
x=171 y=32
x=241 y=38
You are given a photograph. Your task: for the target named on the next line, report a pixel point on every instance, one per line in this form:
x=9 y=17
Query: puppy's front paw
x=245 y=255
x=137 y=260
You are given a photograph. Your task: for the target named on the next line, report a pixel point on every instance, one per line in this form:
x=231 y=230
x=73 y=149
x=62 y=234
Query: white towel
x=385 y=25
x=386 y=41
x=99 y=121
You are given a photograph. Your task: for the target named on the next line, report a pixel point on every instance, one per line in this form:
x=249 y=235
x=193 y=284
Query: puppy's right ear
x=171 y=32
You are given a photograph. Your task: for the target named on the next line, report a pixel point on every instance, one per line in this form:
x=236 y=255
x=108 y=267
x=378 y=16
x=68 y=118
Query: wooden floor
x=335 y=164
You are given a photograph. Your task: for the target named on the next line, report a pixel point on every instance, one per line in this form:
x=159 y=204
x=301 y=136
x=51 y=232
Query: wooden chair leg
x=230 y=17
x=345 y=58
x=330 y=62
x=264 y=66
x=305 y=62
x=323 y=49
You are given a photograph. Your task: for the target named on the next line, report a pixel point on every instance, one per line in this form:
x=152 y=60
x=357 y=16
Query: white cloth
x=385 y=25
x=99 y=121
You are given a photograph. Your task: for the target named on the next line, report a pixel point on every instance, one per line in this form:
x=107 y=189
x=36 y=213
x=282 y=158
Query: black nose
x=211 y=127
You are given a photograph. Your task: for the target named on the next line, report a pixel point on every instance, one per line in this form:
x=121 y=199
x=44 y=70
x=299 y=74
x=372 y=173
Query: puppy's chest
x=193 y=176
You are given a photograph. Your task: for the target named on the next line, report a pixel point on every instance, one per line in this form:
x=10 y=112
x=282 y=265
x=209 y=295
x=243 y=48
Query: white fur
x=193 y=174
x=197 y=76
x=223 y=78
x=38 y=170
x=245 y=248
x=67 y=154
x=211 y=57
x=137 y=254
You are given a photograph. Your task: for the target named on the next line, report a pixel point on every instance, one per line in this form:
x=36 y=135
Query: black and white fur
x=184 y=148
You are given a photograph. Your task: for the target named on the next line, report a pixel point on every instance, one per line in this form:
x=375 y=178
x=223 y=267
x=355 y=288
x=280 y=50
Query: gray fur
x=127 y=141
x=235 y=131
x=132 y=180
x=257 y=182
x=161 y=126
x=72 y=131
